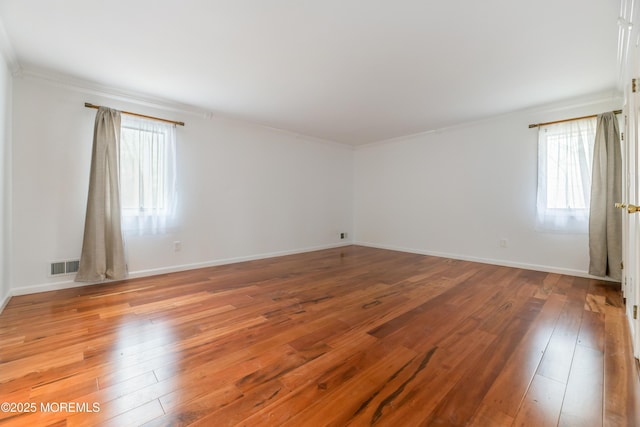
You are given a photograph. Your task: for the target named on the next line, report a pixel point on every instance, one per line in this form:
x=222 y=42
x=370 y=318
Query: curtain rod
x=89 y=105
x=535 y=125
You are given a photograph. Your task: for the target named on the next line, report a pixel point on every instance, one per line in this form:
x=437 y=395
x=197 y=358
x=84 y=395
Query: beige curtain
x=605 y=222
x=103 y=247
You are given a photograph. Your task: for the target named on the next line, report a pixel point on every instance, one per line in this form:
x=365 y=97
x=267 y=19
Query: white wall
x=458 y=192
x=245 y=191
x=248 y=192
x=5 y=179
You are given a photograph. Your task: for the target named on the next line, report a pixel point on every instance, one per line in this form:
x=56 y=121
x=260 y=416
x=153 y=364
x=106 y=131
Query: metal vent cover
x=60 y=268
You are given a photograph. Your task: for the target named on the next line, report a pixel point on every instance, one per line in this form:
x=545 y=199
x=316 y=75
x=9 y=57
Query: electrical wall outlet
x=504 y=243
x=177 y=246
x=343 y=236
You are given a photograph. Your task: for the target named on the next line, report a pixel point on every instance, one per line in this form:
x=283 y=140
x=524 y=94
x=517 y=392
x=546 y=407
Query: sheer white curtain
x=148 y=176
x=565 y=153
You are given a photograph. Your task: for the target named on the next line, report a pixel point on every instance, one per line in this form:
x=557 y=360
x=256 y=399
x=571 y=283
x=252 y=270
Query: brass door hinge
x=622 y=136
x=635 y=311
x=621 y=265
x=633 y=85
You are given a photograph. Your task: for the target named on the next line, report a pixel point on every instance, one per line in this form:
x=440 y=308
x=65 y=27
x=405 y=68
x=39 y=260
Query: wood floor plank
x=558 y=356
x=582 y=404
x=196 y=405
x=510 y=387
x=592 y=330
x=417 y=399
x=622 y=401
x=458 y=407
x=49 y=359
x=488 y=416
x=344 y=336
x=346 y=400
x=251 y=402
x=136 y=416
x=542 y=404
x=311 y=384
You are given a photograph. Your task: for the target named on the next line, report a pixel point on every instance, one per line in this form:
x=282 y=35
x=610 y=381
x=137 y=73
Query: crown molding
x=92 y=88
x=586 y=101
x=7 y=51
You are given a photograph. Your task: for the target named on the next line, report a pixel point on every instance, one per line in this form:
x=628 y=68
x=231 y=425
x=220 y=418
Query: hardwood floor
x=348 y=336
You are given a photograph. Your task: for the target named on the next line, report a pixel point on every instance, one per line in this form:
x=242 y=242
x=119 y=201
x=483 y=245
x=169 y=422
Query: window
x=147 y=175
x=565 y=156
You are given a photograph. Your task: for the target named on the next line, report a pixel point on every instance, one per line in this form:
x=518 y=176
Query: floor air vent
x=64 y=267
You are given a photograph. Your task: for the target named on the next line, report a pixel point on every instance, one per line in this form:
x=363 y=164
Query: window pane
x=568 y=170
x=565 y=153
x=147 y=175
x=143 y=169
x=129 y=169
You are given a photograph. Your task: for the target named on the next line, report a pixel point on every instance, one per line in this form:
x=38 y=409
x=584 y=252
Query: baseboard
x=504 y=263
x=4 y=302
x=46 y=287
x=226 y=261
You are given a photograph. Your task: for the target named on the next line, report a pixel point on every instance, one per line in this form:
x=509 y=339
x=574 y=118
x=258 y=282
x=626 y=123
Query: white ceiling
x=350 y=71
